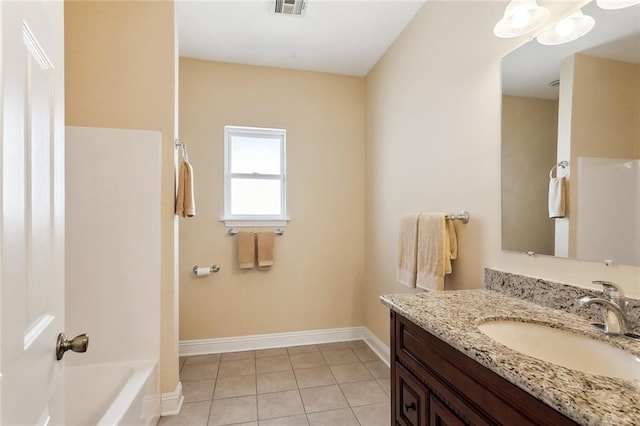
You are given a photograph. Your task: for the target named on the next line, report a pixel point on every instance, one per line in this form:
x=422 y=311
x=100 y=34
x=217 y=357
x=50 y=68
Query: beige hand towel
x=246 y=249
x=266 y=240
x=185 y=201
x=180 y=193
x=437 y=246
x=408 y=246
x=556 y=197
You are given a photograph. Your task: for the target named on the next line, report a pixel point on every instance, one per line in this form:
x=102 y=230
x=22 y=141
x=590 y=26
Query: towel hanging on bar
x=437 y=246
x=557 y=193
x=185 y=199
x=408 y=249
x=264 y=248
x=246 y=248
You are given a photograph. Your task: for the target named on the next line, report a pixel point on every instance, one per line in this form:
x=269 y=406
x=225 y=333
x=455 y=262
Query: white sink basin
x=564 y=348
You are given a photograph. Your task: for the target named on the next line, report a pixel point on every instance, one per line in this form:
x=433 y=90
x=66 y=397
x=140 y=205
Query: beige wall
x=606 y=107
x=433 y=143
x=120 y=72
x=529 y=133
x=316 y=282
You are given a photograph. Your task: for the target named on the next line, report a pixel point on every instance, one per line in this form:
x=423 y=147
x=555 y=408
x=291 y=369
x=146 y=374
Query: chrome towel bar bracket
x=462 y=217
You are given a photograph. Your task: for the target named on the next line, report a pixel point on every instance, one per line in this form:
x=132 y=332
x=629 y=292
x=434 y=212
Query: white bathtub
x=112 y=394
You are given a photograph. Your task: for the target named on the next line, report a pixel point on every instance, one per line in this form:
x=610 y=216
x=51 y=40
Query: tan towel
x=437 y=246
x=556 y=197
x=246 y=249
x=185 y=201
x=265 y=248
x=408 y=249
x=453 y=242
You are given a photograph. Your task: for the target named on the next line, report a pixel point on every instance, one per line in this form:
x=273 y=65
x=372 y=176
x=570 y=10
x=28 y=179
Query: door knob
x=79 y=343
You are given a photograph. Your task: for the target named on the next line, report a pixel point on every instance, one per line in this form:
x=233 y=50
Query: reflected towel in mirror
x=556 y=197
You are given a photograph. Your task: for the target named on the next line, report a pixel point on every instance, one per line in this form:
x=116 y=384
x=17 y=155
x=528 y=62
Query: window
x=254 y=181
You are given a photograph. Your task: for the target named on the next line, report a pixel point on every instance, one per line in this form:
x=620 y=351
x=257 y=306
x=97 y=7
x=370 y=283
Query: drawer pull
x=409 y=407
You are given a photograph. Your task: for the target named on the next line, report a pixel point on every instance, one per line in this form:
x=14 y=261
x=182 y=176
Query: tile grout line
x=295 y=377
x=293 y=370
x=215 y=384
x=255 y=367
x=343 y=395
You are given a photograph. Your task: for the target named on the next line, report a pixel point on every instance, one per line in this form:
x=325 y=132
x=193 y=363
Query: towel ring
x=561 y=165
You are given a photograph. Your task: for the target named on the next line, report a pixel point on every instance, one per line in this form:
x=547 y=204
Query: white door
x=31 y=212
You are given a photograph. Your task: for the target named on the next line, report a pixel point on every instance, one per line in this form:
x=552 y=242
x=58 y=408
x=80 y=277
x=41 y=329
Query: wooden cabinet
x=435 y=384
x=440 y=415
x=411 y=398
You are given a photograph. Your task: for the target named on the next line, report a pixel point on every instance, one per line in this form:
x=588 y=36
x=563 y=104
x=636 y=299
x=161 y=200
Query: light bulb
x=571 y=28
x=520 y=18
x=565 y=27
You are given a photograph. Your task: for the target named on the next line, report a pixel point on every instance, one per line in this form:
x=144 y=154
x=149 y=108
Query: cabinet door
x=412 y=399
x=440 y=415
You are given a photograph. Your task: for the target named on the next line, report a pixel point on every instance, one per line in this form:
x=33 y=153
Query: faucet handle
x=611 y=291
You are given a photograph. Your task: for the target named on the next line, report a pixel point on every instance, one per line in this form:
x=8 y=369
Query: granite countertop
x=453 y=316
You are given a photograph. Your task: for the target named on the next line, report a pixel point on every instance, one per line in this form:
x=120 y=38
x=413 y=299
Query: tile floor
x=331 y=384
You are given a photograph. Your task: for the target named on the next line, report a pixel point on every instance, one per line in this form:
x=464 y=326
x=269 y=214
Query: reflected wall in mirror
x=577 y=102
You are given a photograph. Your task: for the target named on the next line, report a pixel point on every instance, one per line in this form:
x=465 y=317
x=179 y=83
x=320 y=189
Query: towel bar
x=462 y=217
x=234 y=231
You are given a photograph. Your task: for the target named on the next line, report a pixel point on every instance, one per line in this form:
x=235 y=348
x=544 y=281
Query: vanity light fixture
x=616 y=4
x=570 y=28
x=520 y=17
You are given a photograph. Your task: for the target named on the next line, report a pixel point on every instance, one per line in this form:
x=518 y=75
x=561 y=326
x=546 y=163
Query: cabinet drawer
x=412 y=399
x=440 y=415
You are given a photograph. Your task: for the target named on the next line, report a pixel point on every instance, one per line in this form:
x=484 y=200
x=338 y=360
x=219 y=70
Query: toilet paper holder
x=211 y=269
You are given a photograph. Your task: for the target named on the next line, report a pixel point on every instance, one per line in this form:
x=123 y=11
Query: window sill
x=233 y=223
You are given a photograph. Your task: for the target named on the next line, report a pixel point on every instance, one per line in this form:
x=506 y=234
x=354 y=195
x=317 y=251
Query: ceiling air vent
x=289 y=7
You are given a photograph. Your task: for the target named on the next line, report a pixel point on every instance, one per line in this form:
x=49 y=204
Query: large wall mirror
x=577 y=104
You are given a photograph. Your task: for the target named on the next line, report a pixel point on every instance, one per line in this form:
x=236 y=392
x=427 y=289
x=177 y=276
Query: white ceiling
x=335 y=36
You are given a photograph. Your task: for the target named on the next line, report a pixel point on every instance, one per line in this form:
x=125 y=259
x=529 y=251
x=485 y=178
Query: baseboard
x=377 y=346
x=268 y=341
x=279 y=340
x=172 y=402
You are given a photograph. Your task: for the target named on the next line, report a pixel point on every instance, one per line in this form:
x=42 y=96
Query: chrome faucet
x=612 y=292
x=614 y=303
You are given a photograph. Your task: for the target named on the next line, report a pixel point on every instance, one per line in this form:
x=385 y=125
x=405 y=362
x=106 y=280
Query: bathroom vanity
x=445 y=371
x=435 y=384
